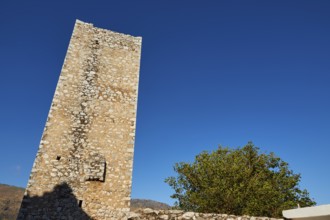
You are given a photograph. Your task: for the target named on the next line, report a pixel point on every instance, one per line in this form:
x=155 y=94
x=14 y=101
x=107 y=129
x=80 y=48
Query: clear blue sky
x=212 y=72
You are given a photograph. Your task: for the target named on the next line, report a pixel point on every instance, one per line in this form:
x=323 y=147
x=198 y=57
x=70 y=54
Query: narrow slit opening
x=58 y=157
x=80 y=203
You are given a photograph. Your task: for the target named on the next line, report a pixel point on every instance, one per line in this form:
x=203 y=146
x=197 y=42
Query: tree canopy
x=239 y=181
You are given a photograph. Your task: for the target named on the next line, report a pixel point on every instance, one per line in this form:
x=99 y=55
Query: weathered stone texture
x=88 y=141
x=150 y=214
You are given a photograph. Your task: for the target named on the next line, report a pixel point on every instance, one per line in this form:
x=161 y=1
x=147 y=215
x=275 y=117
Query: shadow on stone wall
x=61 y=203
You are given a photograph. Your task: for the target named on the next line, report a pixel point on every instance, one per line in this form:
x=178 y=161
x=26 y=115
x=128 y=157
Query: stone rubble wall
x=150 y=214
x=83 y=168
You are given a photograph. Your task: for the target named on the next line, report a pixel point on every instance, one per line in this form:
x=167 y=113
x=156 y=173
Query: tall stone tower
x=83 y=168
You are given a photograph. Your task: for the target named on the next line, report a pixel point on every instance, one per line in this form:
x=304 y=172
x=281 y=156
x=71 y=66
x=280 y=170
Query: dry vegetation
x=10 y=201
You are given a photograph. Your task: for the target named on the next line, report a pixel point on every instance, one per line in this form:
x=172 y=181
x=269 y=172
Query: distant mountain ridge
x=147 y=203
x=11 y=197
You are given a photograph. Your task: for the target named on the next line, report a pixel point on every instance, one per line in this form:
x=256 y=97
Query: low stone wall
x=150 y=214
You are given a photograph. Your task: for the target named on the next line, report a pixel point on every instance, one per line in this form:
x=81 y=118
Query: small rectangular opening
x=80 y=203
x=58 y=157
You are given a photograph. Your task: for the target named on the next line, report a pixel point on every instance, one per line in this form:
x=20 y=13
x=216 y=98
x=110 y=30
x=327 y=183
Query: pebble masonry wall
x=149 y=214
x=83 y=168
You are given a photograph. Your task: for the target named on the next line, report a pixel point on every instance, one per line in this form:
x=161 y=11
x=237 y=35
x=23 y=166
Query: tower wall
x=83 y=168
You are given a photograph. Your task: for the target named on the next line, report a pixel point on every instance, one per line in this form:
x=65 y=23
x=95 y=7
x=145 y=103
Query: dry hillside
x=10 y=201
x=146 y=203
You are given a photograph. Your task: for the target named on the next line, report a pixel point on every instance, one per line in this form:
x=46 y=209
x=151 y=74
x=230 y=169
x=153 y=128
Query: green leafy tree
x=239 y=181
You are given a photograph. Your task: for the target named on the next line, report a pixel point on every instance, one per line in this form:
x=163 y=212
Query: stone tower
x=83 y=168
